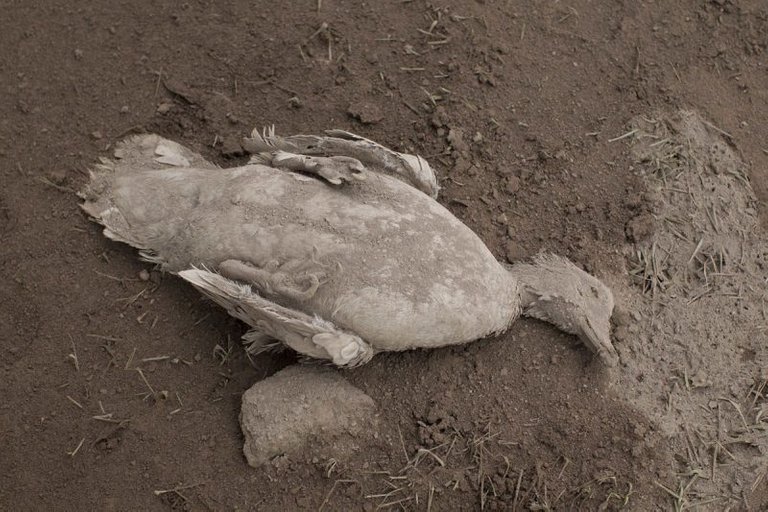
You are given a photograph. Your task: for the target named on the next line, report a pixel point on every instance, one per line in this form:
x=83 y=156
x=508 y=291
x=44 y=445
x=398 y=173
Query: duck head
x=556 y=291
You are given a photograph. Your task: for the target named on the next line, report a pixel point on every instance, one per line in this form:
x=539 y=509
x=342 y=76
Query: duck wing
x=309 y=335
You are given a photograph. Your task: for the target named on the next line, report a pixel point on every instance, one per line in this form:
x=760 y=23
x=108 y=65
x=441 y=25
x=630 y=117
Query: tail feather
x=309 y=335
x=135 y=153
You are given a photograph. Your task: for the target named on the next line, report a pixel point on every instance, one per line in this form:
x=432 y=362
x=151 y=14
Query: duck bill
x=599 y=342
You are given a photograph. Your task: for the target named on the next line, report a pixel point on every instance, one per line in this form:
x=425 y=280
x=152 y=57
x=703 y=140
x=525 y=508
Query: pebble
x=144 y=275
x=512 y=185
x=366 y=113
x=164 y=107
x=230 y=147
x=514 y=252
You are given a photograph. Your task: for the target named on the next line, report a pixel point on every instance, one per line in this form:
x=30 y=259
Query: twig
x=130 y=359
x=73 y=355
x=74 y=401
x=624 y=136
x=46 y=181
x=718 y=130
x=333 y=488
x=141 y=373
x=402 y=444
x=77 y=448
x=156 y=358
x=102 y=337
x=160 y=492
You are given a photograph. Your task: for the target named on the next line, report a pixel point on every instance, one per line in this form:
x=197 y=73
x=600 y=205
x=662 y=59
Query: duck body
x=337 y=270
x=385 y=276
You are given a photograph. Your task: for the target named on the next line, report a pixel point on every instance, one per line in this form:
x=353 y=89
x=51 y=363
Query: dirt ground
x=521 y=108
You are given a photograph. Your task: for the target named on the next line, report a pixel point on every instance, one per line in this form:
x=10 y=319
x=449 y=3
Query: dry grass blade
x=77 y=448
x=333 y=488
x=222 y=354
x=650 y=271
x=73 y=355
x=624 y=136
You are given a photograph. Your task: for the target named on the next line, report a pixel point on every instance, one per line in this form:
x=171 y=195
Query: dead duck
x=332 y=245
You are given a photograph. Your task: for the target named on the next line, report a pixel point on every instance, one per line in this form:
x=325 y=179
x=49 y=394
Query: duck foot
x=333 y=169
x=411 y=169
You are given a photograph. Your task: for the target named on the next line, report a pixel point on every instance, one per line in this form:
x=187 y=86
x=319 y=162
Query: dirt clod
x=366 y=112
x=304 y=409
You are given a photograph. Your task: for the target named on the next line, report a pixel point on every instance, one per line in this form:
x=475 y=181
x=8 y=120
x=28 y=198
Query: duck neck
x=538 y=297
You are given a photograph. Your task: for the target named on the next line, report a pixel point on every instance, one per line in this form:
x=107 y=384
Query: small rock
x=365 y=112
x=621 y=317
x=700 y=380
x=514 y=252
x=439 y=118
x=58 y=176
x=301 y=409
x=294 y=102
x=456 y=140
x=512 y=185
x=144 y=275
x=231 y=148
x=97 y=135
x=435 y=415
x=156 y=277
x=622 y=334
x=164 y=107
x=78 y=54
x=461 y=165
x=124 y=109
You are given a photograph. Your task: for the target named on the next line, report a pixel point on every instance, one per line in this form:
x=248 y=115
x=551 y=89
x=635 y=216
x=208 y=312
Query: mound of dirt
x=691 y=330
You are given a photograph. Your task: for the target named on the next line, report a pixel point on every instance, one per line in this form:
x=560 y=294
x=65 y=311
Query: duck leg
x=334 y=169
x=411 y=169
x=308 y=335
x=297 y=280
